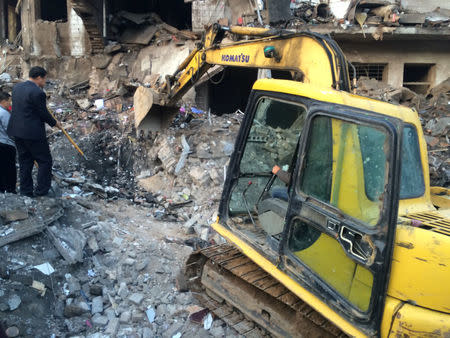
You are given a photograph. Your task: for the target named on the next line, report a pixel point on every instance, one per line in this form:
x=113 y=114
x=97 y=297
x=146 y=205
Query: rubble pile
x=103 y=259
x=97 y=270
x=105 y=248
x=434 y=114
x=142 y=28
x=364 y=14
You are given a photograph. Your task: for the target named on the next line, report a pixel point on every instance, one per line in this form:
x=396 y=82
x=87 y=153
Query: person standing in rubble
x=8 y=174
x=27 y=127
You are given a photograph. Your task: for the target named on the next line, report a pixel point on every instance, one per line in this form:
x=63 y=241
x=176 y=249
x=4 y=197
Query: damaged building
x=105 y=258
x=401 y=43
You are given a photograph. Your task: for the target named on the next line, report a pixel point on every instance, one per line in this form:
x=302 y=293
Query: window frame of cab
x=233 y=169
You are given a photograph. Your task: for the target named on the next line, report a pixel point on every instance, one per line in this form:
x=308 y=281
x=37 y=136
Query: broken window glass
x=271 y=141
x=411 y=182
x=345 y=166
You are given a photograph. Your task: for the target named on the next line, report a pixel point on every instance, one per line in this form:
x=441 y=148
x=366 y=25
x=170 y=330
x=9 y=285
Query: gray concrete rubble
x=434 y=114
x=104 y=258
x=24 y=217
x=125 y=286
x=69 y=242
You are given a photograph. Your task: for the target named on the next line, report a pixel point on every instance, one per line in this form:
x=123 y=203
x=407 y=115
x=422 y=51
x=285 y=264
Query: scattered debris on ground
x=102 y=266
x=103 y=258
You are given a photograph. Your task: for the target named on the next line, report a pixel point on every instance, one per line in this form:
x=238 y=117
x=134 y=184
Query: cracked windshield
x=272 y=141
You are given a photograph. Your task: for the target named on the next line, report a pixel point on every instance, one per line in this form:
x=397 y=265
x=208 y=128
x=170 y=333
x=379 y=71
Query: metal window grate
x=370 y=70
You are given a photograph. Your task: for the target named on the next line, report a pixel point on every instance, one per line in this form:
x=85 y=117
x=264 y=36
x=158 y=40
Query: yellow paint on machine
x=314 y=62
x=440 y=197
x=418 y=296
x=420 y=270
x=407 y=320
x=401 y=319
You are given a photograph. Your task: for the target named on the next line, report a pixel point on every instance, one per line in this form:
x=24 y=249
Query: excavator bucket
x=150 y=114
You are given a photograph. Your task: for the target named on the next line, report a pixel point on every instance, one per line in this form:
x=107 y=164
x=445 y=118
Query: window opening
x=418 y=77
x=345 y=166
x=54 y=10
x=272 y=140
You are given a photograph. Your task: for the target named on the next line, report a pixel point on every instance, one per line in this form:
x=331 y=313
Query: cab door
x=341 y=221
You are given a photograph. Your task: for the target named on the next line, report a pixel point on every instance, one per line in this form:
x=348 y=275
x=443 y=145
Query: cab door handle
x=354 y=244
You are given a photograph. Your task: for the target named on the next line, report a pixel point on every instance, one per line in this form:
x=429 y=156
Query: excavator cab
x=331 y=228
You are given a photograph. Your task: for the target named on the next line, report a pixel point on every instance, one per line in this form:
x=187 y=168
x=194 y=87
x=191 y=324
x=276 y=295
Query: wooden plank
x=289 y=299
x=234 y=318
x=236 y=263
x=317 y=318
x=223 y=311
x=254 y=333
x=303 y=308
x=217 y=250
x=278 y=318
x=23 y=229
x=244 y=326
x=220 y=259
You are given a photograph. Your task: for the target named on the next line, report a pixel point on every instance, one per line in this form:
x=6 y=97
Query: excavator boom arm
x=309 y=57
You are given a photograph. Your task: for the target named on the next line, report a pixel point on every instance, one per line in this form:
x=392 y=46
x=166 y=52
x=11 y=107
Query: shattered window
x=411 y=181
x=345 y=166
x=272 y=140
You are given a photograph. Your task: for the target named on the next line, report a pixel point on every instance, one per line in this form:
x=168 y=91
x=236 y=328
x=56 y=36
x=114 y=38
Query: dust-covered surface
x=129 y=266
x=126 y=217
x=132 y=213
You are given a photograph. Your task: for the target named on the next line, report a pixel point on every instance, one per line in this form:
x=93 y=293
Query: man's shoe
x=49 y=193
x=27 y=194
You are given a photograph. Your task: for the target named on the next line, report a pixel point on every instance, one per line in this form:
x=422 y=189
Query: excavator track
x=250 y=300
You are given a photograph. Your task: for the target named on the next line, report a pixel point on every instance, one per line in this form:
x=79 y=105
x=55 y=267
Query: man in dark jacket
x=26 y=125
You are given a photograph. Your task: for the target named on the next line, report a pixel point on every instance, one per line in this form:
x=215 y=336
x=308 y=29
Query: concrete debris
x=22 y=217
x=97 y=305
x=75 y=310
x=150 y=312
x=130 y=214
x=69 y=242
x=99 y=320
x=84 y=103
x=136 y=298
x=434 y=113
x=207 y=323
x=12 y=332
x=14 y=302
x=45 y=268
x=113 y=327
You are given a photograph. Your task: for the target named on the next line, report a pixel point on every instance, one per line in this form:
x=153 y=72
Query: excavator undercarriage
x=250 y=300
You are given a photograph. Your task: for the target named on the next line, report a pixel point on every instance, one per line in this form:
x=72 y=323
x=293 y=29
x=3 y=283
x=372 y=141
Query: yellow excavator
x=331 y=226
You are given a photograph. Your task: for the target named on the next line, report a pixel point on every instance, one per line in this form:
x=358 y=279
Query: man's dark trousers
x=30 y=151
x=8 y=174
x=27 y=127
